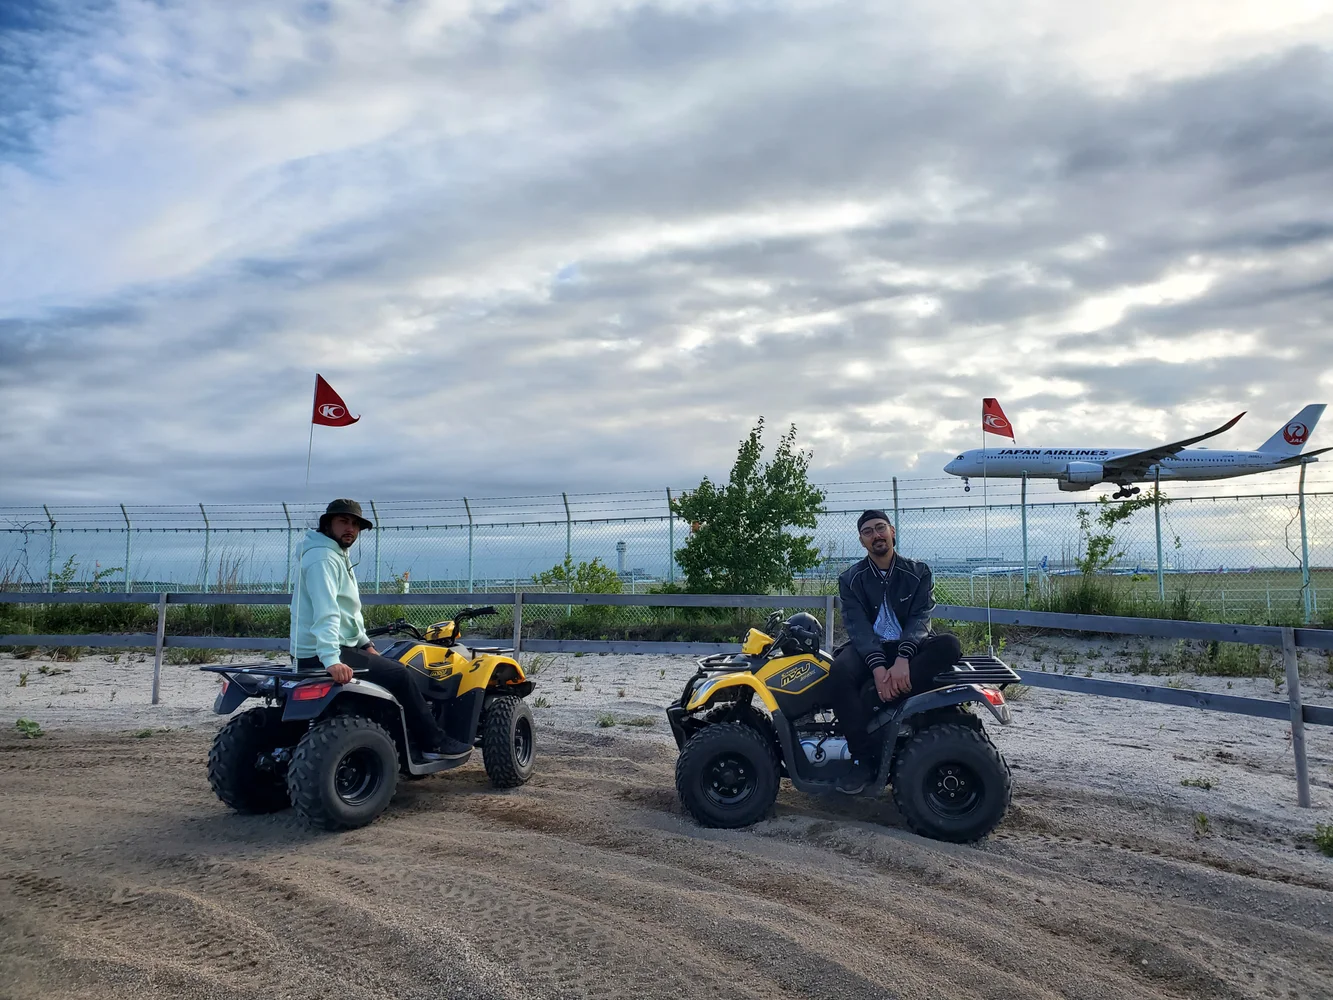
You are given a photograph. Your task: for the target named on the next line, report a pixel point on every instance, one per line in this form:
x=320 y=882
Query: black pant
x=853 y=704
x=398 y=681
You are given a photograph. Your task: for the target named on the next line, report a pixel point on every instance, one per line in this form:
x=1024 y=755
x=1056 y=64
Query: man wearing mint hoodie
x=328 y=630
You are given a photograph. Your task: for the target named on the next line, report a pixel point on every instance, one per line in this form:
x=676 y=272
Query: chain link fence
x=1235 y=550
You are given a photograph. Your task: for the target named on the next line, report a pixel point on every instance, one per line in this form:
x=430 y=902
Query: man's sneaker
x=449 y=749
x=855 y=780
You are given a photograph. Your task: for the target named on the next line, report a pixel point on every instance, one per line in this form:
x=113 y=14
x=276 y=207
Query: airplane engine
x=1083 y=473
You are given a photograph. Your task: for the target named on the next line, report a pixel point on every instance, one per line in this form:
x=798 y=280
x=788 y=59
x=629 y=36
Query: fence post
x=287 y=577
x=124 y=514
x=518 y=620
x=828 y=620
x=1305 y=553
x=897 y=541
x=1023 y=504
x=161 y=641
x=671 y=540
x=1297 y=716
x=376 y=515
x=569 y=560
x=1157 y=517
x=50 y=551
x=468 y=507
x=206 y=529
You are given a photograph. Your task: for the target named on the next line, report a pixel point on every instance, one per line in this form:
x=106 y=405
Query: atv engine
x=819 y=750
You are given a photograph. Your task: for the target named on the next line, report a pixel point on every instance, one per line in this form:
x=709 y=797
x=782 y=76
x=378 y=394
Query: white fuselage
x=1081 y=468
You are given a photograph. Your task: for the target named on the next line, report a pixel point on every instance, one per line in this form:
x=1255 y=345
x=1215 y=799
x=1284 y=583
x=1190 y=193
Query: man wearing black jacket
x=886 y=604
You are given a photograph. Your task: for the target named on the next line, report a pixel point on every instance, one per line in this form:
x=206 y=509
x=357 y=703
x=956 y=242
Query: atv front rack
x=725 y=662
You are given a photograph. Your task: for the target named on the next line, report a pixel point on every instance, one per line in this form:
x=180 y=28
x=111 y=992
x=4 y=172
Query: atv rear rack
x=983 y=668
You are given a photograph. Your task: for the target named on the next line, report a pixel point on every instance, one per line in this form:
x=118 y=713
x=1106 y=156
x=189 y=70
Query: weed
x=30 y=730
x=642 y=720
x=143 y=734
x=620 y=692
x=52 y=671
x=1067 y=659
x=23 y=679
x=1016 y=692
x=541 y=701
x=1204 y=783
x=578 y=683
x=578 y=654
x=538 y=663
x=179 y=656
x=1323 y=837
x=69 y=654
x=1201 y=825
x=606 y=720
x=115 y=658
x=567 y=679
x=661 y=675
x=1036 y=656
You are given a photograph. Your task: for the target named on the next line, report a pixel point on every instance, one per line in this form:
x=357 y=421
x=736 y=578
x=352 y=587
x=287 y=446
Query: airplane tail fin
x=1293 y=435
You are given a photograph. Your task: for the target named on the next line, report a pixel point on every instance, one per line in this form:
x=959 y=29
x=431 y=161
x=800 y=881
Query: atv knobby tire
x=232 y=771
x=508 y=741
x=727 y=775
x=950 y=783
x=343 y=773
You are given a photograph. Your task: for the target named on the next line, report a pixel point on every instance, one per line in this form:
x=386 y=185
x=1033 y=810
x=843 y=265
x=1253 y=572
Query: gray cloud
x=598 y=250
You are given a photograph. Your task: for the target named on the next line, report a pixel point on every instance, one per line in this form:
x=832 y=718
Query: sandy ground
x=120 y=875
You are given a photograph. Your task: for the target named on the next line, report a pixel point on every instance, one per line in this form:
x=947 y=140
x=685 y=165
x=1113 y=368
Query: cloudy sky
x=583 y=245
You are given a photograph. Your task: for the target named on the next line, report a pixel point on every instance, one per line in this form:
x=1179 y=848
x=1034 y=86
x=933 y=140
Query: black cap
x=871 y=515
x=352 y=508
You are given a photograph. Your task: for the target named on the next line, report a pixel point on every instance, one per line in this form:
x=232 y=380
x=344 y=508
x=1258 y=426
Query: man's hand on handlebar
x=340 y=672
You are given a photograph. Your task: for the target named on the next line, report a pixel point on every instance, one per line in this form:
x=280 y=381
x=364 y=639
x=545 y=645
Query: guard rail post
x=161 y=642
x=1297 y=717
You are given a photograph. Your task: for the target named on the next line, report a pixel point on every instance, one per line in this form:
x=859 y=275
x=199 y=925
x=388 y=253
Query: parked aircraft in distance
x=1083 y=468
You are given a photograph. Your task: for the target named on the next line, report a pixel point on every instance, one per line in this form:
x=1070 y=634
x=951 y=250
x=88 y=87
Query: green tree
x=740 y=542
x=586 y=578
x=1099 y=549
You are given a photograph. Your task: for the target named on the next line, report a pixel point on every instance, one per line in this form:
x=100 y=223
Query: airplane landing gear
x=967 y=486
x=1125 y=491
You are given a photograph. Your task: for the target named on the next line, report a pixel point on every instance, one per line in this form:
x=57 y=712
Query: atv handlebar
x=467 y=614
x=401 y=625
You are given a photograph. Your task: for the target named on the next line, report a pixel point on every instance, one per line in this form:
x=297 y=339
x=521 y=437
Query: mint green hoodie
x=326 y=603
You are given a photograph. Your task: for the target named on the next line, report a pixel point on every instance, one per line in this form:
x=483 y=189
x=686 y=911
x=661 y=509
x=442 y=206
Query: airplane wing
x=1297 y=459
x=1137 y=464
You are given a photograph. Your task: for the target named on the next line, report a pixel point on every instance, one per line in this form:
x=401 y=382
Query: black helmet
x=802 y=633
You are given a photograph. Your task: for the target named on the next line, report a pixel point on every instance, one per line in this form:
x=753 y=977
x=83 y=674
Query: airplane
x=1082 y=468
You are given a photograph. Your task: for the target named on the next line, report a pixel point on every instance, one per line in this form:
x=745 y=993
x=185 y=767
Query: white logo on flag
x=331 y=411
x=996 y=421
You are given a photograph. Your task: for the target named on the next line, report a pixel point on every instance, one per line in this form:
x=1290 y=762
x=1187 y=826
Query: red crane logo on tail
x=1295 y=433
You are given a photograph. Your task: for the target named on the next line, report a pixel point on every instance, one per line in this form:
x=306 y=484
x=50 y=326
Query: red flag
x=330 y=410
x=993 y=420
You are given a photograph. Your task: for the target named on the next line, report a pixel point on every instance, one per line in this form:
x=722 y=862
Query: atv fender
x=959 y=694
x=303 y=711
x=709 y=690
x=236 y=688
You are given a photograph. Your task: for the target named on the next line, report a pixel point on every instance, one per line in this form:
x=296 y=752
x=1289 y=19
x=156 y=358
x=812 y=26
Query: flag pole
x=985 y=509
x=310 y=448
x=300 y=548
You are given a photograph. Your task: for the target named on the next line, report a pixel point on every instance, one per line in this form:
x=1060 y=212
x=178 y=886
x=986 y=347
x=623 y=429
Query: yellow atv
x=335 y=751
x=746 y=720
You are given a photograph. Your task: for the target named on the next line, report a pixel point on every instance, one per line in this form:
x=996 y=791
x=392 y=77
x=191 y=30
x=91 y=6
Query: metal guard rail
x=1288 y=639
